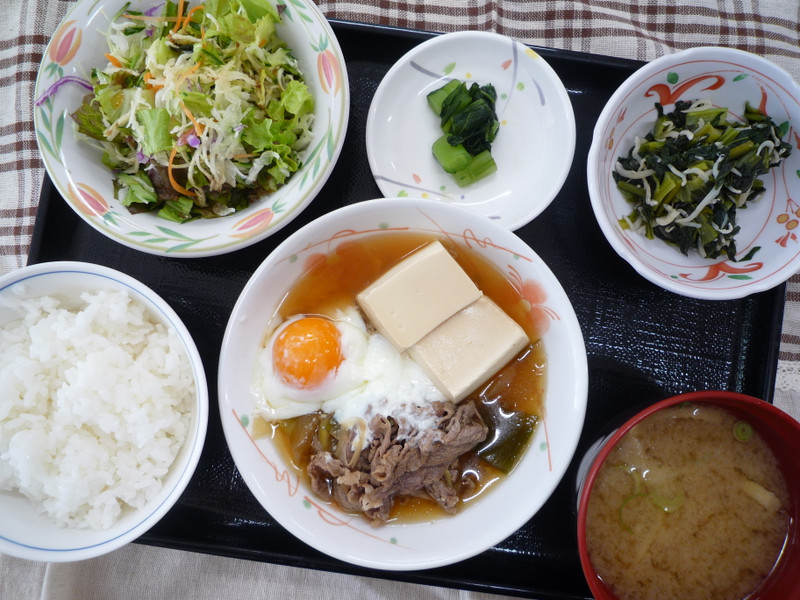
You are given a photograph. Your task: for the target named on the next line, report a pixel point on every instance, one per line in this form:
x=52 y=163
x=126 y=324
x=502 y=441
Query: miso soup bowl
x=501 y=511
x=778 y=429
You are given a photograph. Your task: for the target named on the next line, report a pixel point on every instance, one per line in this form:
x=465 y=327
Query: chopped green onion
x=668 y=502
x=622 y=506
x=742 y=431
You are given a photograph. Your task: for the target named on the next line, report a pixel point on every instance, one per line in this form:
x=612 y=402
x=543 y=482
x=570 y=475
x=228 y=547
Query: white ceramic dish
x=534 y=146
x=23 y=531
x=503 y=510
x=77 y=173
x=728 y=78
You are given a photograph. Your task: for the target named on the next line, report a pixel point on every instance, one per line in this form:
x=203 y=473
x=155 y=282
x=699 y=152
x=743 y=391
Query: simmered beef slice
x=395 y=464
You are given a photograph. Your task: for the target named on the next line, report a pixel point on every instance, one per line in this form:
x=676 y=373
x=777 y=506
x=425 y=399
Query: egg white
x=373 y=379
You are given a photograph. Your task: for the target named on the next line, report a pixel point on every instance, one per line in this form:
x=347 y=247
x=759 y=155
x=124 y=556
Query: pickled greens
x=201 y=108
x=469 y=123
x=688 y=177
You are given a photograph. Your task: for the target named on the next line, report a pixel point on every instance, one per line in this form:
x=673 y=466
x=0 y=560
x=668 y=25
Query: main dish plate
x=74 y=165
x=448 y=539
x=534 y=146
x=642 y=343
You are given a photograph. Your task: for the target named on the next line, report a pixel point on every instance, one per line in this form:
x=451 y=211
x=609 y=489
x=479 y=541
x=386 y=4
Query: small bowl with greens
x=476 y=119
x=693 y=173
x=191 y=129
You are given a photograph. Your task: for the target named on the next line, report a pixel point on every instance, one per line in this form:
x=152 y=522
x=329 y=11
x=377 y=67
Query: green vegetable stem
x=469 y=123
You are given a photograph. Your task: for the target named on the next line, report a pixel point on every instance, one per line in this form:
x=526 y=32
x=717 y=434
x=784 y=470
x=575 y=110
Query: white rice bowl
x=103 y=410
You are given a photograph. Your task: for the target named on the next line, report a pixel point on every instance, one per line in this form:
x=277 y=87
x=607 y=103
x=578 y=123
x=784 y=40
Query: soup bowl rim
x=726 y=399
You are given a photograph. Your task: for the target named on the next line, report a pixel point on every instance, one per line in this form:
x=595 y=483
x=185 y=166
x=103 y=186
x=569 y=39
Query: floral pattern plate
x=534 y=146
x=79 y=176
x=514 y=500
x=728 y=78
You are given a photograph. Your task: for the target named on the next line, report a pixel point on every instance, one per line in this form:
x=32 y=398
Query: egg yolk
x=306 y=351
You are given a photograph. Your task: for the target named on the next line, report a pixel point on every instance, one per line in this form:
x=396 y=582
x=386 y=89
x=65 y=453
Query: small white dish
x=78 y=175
x=534 y=146
x=24 y=531
x=501 y=511
x=729 y=78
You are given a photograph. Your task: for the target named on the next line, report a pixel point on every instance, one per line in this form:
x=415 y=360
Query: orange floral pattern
x=253 y=224
x=88 y=200
x=65 y=43
x=534 y=298
x=330 y=73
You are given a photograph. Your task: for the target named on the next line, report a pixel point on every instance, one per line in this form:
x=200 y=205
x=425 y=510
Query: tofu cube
x=414 y=297
x=469 y=348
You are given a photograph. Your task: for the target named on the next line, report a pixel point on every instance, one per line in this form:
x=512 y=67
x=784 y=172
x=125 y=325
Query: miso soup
x=691 y=504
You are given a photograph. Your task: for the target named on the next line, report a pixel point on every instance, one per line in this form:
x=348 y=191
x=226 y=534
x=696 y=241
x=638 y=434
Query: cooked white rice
x=95 y=403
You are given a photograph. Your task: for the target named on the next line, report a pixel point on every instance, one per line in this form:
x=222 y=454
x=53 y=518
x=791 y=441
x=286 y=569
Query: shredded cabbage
x=200 y=110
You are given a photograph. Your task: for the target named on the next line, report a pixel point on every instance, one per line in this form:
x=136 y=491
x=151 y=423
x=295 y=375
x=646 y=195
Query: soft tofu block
x=469 y=347
x=417 y=295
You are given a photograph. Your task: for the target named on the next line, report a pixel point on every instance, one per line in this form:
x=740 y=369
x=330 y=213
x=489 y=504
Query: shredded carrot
x=148 y=77
x=180 y=16
x=244 y=155
x=113 y=60
x=175 y=185
x=191 y=12
x=187 y=72
x=198 y=127
x=148 y=18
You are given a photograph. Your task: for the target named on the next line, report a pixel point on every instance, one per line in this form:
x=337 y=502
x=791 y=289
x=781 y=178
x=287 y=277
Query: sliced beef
x=399 y=462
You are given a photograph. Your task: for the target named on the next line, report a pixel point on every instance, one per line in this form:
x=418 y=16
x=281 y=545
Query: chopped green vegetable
x=481 y=166
x=436 y=99
x=621 y=510
x=507 y=438
x=468 y=119
x=452 y=158
x=694 y=170
x=155 y=130
x=668 y=500
x=198 y=113
x=663 y=493
x=742 y=431
x=138 y=189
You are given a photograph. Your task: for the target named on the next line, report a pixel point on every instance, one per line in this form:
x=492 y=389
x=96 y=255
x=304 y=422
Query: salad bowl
x=75 y=164
x=767 y=245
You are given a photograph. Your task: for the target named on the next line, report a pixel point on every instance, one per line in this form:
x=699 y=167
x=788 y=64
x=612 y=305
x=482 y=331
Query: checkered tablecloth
x=638 y=29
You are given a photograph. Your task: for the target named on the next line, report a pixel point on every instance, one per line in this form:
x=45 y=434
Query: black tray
x=643 y=343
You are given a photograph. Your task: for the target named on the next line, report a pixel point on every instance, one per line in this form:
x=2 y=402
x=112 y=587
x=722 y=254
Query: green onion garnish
x=742 y=431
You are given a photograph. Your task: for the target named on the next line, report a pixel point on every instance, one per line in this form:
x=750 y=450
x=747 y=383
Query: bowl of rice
x=103 y=410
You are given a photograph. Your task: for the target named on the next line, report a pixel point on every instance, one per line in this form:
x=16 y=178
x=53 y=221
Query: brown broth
x=335 y=280
x=669 y=516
